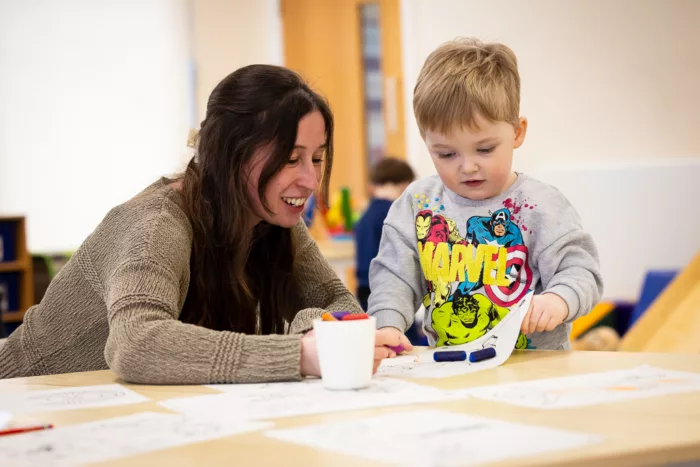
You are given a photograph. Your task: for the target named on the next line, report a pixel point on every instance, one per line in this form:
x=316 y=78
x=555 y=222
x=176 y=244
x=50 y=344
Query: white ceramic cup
x=346 y=352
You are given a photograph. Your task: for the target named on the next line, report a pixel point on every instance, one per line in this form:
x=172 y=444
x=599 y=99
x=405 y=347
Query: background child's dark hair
x=391 y=170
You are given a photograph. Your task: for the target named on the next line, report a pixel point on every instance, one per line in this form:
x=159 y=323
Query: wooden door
x=327 y=42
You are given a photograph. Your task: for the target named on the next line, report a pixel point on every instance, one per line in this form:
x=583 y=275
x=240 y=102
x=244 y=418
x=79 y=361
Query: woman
x=210 y=277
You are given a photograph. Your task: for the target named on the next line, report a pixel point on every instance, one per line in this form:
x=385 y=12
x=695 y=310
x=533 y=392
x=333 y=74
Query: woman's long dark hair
x=233 y=269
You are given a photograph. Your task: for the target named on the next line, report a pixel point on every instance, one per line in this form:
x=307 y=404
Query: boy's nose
x=469 y=166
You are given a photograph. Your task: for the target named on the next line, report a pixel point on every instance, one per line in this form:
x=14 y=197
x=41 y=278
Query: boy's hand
x=392 y=337
x=388 y=337
x=547 y=311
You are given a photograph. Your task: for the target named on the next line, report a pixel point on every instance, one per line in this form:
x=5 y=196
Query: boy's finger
x=381 y=352
x=388 y=337
x=543 y=322
x=524 y=325
x=552 y=324
x=407 y=346
x=535 y=316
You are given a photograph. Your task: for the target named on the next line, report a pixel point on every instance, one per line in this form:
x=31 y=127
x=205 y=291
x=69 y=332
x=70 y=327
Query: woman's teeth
x=294 y=201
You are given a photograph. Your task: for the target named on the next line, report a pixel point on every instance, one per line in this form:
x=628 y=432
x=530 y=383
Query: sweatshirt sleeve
x=568 y=260
x=395 y=274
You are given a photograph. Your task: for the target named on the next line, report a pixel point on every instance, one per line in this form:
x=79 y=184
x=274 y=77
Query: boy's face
x=476 y=162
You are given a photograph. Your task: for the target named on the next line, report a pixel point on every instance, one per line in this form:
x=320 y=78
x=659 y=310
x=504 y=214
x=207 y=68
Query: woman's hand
x=309 y=355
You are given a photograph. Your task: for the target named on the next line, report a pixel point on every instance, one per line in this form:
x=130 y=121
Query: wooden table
x=648 y=431
x=341 y=256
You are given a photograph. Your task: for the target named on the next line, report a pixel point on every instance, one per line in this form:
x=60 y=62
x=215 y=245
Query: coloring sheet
x=502 y=337
x=82 y=397
x=4 y=419
x=433 y=438
x=595 y=388
x=277 y=400
x=113 y=438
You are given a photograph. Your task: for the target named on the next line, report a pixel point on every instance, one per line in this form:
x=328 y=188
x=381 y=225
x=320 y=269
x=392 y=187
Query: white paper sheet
x=277 y=400
x=4 y=418
x=432 y=437
x=82 y=397
x=594 y=388
x=113 y=438
x=422 y=365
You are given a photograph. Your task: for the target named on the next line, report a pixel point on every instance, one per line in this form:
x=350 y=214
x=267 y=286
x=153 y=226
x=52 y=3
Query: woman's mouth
x=294 y=202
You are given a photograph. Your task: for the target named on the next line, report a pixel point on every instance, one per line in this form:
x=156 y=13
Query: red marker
x=354 y=317
x=26 y=429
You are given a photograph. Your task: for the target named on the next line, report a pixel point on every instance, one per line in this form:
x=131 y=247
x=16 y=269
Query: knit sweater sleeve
x=320 y=288
x=147 y=344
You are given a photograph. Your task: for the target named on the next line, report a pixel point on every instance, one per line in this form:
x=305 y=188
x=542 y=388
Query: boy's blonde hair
x=465 y=77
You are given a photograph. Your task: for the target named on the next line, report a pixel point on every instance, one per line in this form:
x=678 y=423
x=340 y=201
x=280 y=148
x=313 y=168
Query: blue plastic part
x=483 y=354
x=450 y=356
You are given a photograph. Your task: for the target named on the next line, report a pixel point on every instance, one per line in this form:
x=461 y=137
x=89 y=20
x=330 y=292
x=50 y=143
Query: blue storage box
x=9 y=282
x=8 y=241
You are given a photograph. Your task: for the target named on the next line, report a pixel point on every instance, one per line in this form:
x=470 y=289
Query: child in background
x=471 y=241
x=389 y=179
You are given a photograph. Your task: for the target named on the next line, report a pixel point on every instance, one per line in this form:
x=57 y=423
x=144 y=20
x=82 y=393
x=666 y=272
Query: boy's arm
x=395 y=274
x=569 y=268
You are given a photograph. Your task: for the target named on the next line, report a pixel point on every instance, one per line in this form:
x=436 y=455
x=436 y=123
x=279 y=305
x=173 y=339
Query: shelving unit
x=15 y=268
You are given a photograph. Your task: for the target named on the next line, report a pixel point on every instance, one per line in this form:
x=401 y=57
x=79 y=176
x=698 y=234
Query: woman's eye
x=318 y=160
x=292 y=161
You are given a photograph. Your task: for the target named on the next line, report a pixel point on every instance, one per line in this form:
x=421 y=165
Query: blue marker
x=450 y=356
x=483 y=354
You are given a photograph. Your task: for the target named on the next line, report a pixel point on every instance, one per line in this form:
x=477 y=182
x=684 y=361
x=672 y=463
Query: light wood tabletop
x=334 y=250
x=650 y=431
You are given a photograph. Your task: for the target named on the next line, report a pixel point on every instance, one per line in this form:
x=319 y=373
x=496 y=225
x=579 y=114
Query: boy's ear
x=520 y=133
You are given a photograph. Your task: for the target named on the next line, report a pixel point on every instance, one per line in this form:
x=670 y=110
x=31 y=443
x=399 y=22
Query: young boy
x=471 y=241
x=389 y=179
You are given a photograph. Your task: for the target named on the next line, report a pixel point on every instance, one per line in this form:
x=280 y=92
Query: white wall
x=604 y=83
x=96 y=99
x=229 y=34
x=601 y=79
x=641 y=217
x=94 y=108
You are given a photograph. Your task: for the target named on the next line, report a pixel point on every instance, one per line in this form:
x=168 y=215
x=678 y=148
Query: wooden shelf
x=13 y=266
x=23 y=266
x=13 y=316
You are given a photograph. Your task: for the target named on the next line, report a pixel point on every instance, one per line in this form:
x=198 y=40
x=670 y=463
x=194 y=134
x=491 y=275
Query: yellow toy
x=340 y=217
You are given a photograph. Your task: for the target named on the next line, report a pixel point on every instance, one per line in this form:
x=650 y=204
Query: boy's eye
x=485 y=150
x=446 y=155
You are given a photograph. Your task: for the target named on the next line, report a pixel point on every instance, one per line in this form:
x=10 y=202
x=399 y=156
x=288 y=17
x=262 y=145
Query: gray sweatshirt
x=468 y=262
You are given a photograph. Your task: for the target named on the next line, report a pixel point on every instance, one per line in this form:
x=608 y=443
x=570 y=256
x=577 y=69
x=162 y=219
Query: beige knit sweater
x=116 y=304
